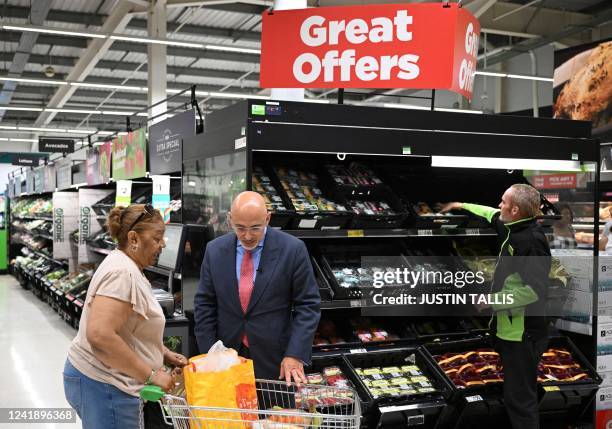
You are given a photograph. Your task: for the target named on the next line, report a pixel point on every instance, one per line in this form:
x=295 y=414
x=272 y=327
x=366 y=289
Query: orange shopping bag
x=233 y=388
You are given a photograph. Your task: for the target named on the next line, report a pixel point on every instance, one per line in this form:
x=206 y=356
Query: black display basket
x=325 y=290
x=379 y=193
x=419 y=410
x=559 y=401
x=320 y=219
x=438 y=329
x=343 y=331
x=326 y=255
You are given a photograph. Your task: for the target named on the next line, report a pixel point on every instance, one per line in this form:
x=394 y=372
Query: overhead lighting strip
x=513 y=76
x=67 y=110
x=128 y=38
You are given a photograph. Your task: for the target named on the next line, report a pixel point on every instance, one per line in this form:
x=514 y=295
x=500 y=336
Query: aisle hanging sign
x=129 y=155
x=123 y=196
x=161 y=196
x=422 y=46
x=98 y=164
x=166 y=142
x=26 y=160
x=53 y=145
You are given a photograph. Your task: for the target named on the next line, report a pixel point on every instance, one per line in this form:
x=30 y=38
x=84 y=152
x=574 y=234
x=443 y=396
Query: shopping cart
x=280 y=406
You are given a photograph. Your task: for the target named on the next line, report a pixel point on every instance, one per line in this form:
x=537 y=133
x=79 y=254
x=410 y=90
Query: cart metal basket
x=280 y=406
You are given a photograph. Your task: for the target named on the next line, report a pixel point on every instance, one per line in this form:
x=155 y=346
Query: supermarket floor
x=34 y=342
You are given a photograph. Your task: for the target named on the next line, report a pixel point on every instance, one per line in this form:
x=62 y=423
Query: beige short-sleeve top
x=119 y=277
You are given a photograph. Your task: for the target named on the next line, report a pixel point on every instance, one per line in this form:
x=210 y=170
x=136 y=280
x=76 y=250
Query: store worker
x=258 y=294
x=119 y=347
x=522 y=270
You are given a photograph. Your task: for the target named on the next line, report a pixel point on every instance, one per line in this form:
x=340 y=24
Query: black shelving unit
x=402 y=148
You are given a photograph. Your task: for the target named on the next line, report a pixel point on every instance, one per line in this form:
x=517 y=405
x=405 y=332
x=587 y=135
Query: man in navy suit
x=258 y=294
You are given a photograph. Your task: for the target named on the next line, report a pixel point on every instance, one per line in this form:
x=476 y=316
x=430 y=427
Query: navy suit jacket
x=284 y=310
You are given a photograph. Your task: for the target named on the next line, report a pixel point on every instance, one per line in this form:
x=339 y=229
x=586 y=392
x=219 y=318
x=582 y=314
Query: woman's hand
x=175 y=359
x=163 y=379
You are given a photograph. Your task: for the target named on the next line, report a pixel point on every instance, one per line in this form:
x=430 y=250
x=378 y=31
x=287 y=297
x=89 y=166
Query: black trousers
x=520 y=360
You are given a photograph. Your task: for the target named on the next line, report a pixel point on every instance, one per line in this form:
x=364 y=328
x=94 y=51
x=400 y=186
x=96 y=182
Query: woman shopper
x=119 y=347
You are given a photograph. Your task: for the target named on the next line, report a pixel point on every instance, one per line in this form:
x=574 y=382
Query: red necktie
x=245 y=287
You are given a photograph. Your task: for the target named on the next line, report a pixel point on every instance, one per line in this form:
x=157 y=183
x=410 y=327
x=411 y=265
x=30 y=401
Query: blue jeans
x=100 y=405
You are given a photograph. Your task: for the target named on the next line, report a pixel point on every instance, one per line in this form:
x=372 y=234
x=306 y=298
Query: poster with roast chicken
x=582 y=87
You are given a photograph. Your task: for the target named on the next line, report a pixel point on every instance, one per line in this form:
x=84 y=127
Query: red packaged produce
x=379 y=334
x=331 y=371
x=364 y=336
x=315 y=378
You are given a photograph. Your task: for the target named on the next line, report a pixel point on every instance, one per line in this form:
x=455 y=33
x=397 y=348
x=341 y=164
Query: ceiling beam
x=124 y=46
x=38 y=12
x=65 y=61
x=252 y=7
x=531 y=44
x=97 y=20
x=88 y=59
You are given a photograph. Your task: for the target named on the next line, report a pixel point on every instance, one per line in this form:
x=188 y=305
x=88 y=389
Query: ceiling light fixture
x=403 y=106
x=520 y=76
x=237 y=96
x=233 y=49
x=505 y=163
x=168 y=42
x=39 y=29
x=108 y=86
x=444 y=109
x=26 y=80
x=129 y=38
x=486 y=73
x=22 y=109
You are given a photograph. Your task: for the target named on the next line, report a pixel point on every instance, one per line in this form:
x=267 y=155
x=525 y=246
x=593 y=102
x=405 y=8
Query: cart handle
x=151 y=393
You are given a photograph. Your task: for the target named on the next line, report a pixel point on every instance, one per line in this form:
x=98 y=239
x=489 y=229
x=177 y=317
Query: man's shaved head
x=249 y=201
x=249 y=217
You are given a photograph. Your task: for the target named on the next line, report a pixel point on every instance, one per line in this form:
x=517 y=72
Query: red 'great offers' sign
x=375 y=46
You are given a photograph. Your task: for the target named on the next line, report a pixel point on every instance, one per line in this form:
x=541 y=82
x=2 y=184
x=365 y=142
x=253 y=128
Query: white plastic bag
x=219 y=358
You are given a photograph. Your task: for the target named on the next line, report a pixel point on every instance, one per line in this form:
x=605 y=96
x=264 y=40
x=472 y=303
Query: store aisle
x=34 y=342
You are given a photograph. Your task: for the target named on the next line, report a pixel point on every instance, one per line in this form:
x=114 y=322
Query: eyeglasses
x=253 y=229
x=148 y=210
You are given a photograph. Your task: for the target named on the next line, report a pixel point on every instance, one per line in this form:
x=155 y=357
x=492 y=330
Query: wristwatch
x=149 y=379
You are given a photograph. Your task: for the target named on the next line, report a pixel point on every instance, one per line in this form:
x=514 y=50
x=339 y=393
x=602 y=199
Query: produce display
x=102 y=240
x=74 y=236
x=353 y=175
x=375 y=208
x=35 y=243
x=303 y=189
x=436 y=326
x=327 y=334
x=558 y=364
x=472 y=368
x=369 y=332
x=38 y=207
x=483 y=366
x=55 y=275
x=395 y=381
x=39 y=226
x=348 y=277
x=487 y=266
x=73 y=282
x=263 y=185
x=331 y=376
